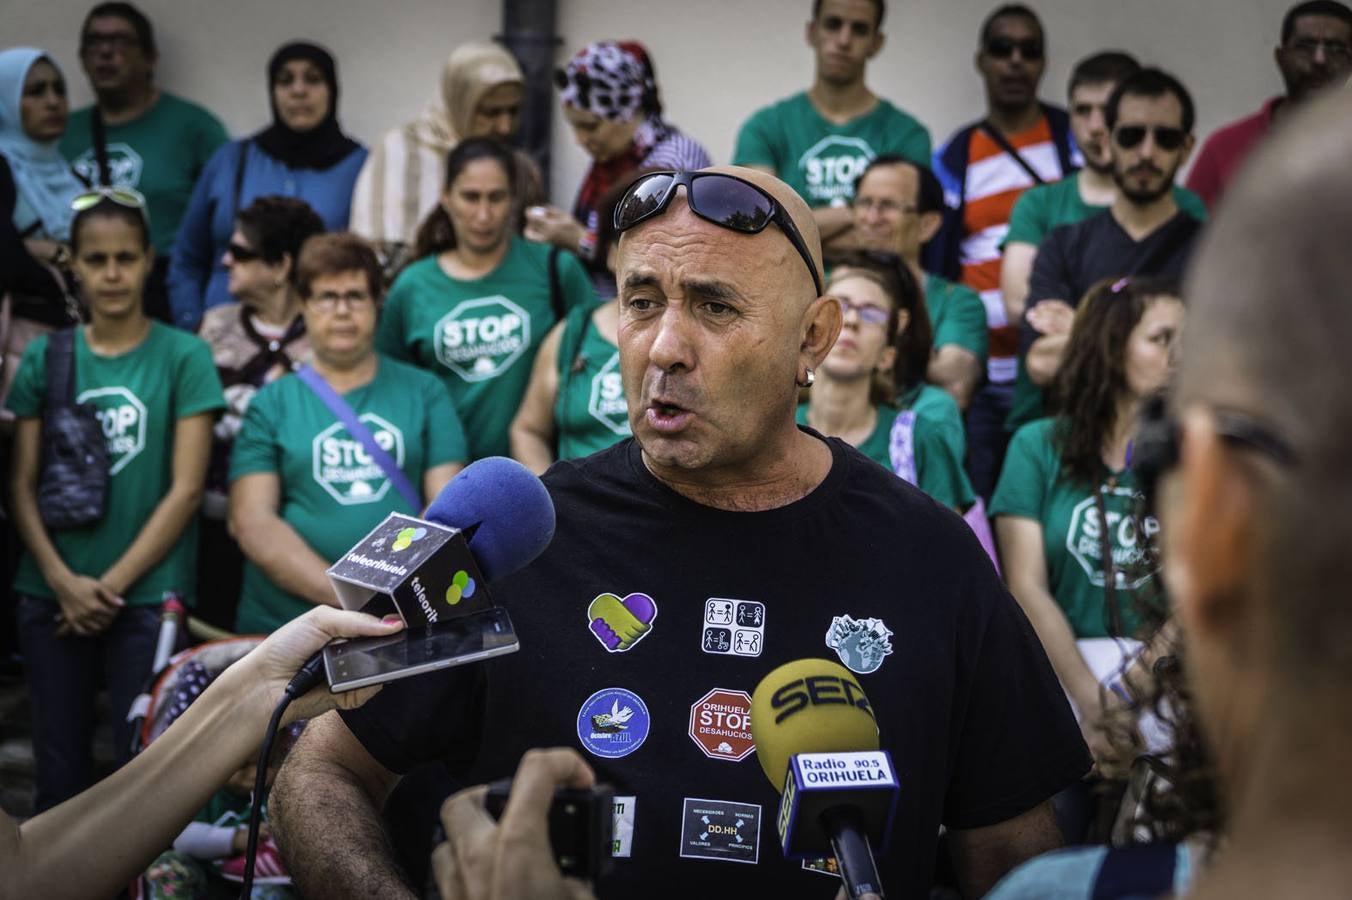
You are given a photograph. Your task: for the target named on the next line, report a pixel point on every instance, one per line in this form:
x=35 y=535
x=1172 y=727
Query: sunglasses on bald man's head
x=725 y=200
x=1167 y=137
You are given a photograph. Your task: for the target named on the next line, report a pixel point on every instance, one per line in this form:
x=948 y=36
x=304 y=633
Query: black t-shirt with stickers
x=647 y=624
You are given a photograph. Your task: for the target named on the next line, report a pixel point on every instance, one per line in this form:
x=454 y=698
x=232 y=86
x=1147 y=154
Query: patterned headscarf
x=610 y=79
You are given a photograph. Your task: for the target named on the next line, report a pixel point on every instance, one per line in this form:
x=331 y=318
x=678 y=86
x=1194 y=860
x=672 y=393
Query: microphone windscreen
x=508 y=505
x=809 y=706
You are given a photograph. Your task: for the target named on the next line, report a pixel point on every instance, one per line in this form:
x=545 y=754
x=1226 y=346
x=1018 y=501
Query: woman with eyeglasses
x=302 y=154
x=574 y=404
x=304 y=484
x=254 y=341
x=870 y=391
x=89 y=595
x=37 y=186
x=480 y=299
x=1073 y=554
x=610 y=98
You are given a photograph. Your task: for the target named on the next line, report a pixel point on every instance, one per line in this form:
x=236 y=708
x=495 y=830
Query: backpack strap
x=344 y=413
x=901 y=446
x=1000 y=141
x=98 y=135
x=60 y=359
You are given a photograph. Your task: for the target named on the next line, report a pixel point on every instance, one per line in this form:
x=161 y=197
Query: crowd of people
x=849 y=342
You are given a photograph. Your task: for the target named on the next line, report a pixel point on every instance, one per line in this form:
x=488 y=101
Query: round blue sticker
x=612 y=723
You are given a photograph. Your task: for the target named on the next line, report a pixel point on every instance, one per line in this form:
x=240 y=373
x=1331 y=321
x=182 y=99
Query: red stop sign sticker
x=720 y=724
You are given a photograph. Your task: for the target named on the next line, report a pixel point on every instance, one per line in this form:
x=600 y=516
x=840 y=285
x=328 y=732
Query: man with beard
x=1150 y=118
x=1316 y=52
x=1020 y=143
x=821 y=139
x=1073 y=199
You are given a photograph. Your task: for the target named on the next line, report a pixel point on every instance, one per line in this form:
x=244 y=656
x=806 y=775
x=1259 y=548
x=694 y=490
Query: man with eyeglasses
x=136 y=134
x=820 y=140
x=688 y=561
x=1144 y=232
x=898 y=207
x=1315 y=53
x=1020 y=142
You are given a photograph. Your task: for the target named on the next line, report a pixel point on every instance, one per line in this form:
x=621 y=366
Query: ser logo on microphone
x=817 y=690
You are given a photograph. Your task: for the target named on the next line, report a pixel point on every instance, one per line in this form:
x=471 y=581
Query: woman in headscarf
x=37 y=185
x=480 y=96
x=302 y=154
x=610 y=99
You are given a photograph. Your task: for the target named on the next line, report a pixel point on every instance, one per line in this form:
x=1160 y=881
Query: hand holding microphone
x=817 y=740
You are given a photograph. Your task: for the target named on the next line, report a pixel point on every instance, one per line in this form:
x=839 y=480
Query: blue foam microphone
x=505 y=510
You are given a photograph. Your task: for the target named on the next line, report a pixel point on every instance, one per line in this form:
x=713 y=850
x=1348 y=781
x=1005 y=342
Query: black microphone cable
x=308 y=677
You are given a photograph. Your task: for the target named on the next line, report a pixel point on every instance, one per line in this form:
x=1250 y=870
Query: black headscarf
x=321 y=147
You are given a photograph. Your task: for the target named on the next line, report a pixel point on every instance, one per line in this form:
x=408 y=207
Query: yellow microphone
x=817 y=740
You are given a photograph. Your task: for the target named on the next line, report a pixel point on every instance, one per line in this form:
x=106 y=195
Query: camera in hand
x=581 y=826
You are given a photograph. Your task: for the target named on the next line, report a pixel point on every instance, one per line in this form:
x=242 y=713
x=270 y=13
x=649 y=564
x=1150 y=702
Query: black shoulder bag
x=73 y=480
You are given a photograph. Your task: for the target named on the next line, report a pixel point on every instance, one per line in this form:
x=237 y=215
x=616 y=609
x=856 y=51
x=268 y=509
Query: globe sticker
x=406 y=537
x=620 y=624
x=861 y=644
x=462 y=587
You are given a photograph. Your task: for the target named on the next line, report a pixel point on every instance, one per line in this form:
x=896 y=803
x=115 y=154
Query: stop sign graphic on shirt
x=720 y=723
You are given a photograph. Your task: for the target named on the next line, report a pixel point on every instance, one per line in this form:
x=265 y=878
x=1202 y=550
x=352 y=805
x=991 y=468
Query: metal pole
x=528 y=32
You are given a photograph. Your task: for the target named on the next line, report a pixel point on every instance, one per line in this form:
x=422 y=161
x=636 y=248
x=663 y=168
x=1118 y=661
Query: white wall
x=717 y=60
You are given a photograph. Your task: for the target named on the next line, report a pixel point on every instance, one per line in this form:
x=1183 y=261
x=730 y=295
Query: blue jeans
x=64 y=675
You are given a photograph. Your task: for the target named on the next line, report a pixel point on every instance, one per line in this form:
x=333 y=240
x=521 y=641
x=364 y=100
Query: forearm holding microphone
x=96 y=842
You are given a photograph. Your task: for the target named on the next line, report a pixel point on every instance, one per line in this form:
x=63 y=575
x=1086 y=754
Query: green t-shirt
x=333 y=493
x=957 y=316
x=590 y=413
x=1042 y=209
x=160 y=153
x=480 y=337
x=820 y=160
x=938 y=442
x=1033 y=486
x=139 y=396
x=1038 y=212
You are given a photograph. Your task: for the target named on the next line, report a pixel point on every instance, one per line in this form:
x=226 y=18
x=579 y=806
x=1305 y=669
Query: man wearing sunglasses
x=820 y=140
x=1144 y=232
x=721 y=515
x=1315 y=53
x=1019 y=143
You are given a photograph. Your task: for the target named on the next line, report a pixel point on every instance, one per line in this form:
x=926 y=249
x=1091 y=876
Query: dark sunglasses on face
x=1003 y=48
x=1166 y=136
x=725 y=200
x=241 y=253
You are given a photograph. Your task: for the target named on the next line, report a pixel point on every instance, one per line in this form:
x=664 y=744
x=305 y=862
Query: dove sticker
x=612 y=723
x=620 y=624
